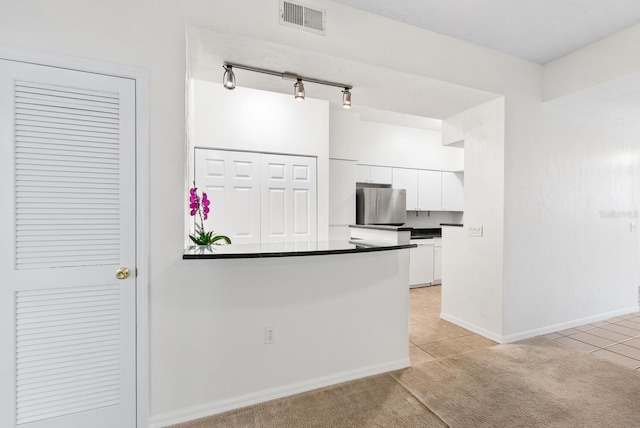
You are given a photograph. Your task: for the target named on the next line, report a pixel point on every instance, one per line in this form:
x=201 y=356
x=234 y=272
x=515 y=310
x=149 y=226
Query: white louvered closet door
x=67 y=223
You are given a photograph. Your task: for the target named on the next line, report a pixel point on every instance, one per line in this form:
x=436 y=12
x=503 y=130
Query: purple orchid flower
x=200 y=207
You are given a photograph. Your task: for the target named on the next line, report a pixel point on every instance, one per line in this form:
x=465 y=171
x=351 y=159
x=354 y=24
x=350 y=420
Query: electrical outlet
x=270 y=334
x=476 y=231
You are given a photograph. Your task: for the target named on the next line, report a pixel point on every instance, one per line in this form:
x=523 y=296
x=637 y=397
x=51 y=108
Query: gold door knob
x=122 y=273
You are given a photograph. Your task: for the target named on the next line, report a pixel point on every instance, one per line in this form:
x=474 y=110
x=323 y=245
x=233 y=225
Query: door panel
x=232 y=182
x=301 y=215
x=288 y=198
x=67 y=168
x=277 y=213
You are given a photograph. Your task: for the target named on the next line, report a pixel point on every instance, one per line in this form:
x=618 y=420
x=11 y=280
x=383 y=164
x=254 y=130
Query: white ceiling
x=536 y=30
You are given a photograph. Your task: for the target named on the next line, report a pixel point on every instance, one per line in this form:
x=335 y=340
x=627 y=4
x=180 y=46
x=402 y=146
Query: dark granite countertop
x=289 y=249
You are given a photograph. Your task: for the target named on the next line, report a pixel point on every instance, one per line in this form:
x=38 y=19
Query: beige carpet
x=534 y=383
x=377 y=402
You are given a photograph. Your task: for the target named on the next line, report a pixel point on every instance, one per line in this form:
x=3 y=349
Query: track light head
x=346 y=98
x=229 y=78
x=298 y=90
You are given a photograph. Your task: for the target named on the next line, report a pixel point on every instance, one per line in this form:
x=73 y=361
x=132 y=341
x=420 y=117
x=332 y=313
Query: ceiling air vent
x=304 y=17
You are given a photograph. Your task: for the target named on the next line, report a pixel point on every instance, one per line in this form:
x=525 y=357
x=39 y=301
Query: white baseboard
x=538 y=331
x=568 y=324
x=472 y=327
x=215 y=407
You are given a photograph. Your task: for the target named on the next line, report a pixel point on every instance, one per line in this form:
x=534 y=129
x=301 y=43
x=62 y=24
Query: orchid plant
x=199 y=207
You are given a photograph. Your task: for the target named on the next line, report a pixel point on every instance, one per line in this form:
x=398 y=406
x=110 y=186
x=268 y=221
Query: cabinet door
x=362 y=174
x=380 y=175
x=421 y=264
x=342 y=192
x=407 y=179
x=232 y=183
x=429 y=190
x=452 y=191
x=437 y=264
x=288 y=202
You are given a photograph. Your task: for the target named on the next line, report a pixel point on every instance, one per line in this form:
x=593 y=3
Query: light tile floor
x=430 y=337
x=616 y=339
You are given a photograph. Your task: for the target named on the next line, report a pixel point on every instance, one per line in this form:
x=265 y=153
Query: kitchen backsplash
x=432 y=218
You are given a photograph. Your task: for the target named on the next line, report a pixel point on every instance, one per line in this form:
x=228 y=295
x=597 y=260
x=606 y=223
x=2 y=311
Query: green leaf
x=219 y=237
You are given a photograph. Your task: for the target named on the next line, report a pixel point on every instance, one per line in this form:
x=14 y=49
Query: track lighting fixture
x=346 y=98
x=229 y=78
x=229 y=81
x=298 y=90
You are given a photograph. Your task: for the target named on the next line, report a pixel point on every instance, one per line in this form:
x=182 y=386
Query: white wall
x=559 y=169
x=260 y=121
x=472 y=268
x=344 y=134
x=213 y=353
x=565 y=264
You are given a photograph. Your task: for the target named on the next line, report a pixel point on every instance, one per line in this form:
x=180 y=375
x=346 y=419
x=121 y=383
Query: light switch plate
x=475 y=231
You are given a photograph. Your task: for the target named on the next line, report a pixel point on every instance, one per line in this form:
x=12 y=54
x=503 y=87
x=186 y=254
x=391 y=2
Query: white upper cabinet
x=404 y=178
x=429 y=190
x=374 y=174
x=423 y=188
x=452 y=191
x=381 y=174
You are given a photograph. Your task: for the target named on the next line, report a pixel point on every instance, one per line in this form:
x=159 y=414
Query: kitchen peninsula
x=338 y=311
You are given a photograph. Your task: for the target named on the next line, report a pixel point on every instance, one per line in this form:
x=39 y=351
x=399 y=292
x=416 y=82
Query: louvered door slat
x=62 y=150
x=58 y=138
x=59 y=117
x=65 y=112
x=67 y=104
x=55 y=384
x=68 y=90
x=26 y=122
x=69 y=318
x=96 y=340
x=66 y=93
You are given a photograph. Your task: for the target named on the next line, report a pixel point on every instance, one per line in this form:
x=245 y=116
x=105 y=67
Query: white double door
x=67 y=221
x=258 y=197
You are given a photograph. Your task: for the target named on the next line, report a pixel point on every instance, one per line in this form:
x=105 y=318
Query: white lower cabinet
x=421 y=263
x=257 y=197
x=437 y=261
